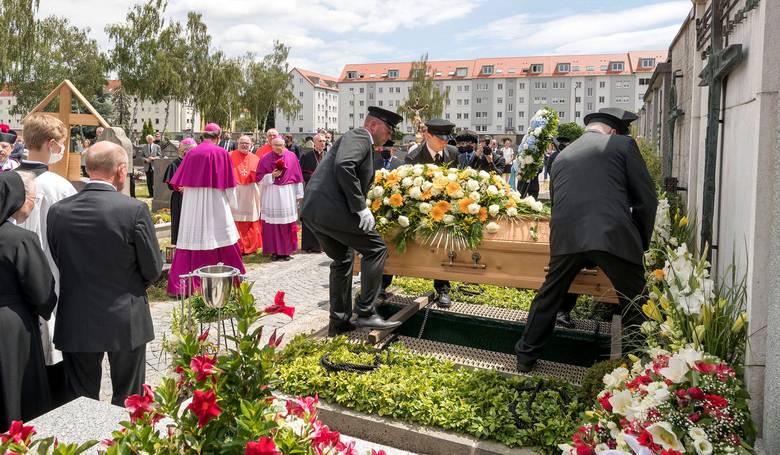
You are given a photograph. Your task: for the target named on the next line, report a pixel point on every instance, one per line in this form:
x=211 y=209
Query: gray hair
x=601 y=127
x=104 y=157
x=28 y=178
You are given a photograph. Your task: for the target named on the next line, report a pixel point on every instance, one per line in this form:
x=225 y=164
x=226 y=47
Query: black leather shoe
x=564 y=319
x=444 y=300
x=375 y=322
x=336 y=328
x=523 y=367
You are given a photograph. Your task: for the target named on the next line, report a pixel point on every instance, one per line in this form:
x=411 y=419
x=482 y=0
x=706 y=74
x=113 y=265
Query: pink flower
x=203 y=336
x=203 y=366
x=301 y=406
x=139 y=405
x=275 y=341
x=379 y=452
x=323 y=436
x=696 y=393
x=716 y=401
x=263 y=446
x=204 y=405
x=279 y=306
x=18 y=433
x=346 y=449
x=604 y=400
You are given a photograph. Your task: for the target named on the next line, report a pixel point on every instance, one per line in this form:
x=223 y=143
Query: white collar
x=12 y=220
x=33 y=162
x=369 y=135
x=432 y=152
x=102 y=183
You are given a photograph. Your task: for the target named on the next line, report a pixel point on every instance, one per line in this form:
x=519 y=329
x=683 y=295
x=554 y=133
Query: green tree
x=570 y=130
x=17 y=34
x=423 y=95
x=197 y=65
x=103 y=102
x=134 y=49
x=121 y=102
x=59 y=51
x=269 y=87
x=220 y=102
x=167 y=69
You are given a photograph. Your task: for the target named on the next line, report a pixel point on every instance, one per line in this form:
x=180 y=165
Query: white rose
x=620 y=401
x=368 y=202
x=438 y=174
x=702 y=447
x=418 y=181
x=473 y=185
x=697 y=433
x=492 y=190
x=386 y=201
x=432 y=166
x=452 y=170
x=691 y=356
x=484 y=175
x=403 y=221
x=407 y=182
x=601 y=448
x=664 y=436
x=473 y=209
x=676 y=370
x=382 y=220
x=538 y=206
x=538 y=131
x=458 y=194
x=418 y=170
x=435 y=191
x=426 y=186
x=511 y=212
x=378 y=191
x=528 y=159
x=415 y=193
x=424 y=207
x=452 y=177
x=448 y=219
x=567 y=449
x=492 y=227
x=493 y=210
x=475 y=196
x=403 y=171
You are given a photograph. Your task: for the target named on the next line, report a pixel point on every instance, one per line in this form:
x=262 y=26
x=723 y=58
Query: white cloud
x=657 y=38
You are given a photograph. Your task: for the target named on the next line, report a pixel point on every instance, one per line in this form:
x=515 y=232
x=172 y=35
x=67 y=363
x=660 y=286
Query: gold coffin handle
x=475 y=258
x=591 y=272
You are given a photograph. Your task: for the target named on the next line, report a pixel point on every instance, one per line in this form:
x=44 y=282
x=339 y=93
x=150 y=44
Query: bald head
x=107 y=161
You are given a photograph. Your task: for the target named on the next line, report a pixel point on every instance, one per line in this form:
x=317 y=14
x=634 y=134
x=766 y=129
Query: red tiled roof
x=319 y=80
x=579 y=65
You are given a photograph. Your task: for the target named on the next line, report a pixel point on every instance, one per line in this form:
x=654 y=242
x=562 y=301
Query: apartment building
x=179 y=114
x=499 y=95
x=319 y=97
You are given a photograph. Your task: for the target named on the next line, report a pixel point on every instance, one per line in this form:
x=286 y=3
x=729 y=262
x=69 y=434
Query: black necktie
x=438 y=158
x=387 y=164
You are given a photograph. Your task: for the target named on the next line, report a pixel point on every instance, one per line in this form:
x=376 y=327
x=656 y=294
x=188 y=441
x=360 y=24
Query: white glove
x=366 y=220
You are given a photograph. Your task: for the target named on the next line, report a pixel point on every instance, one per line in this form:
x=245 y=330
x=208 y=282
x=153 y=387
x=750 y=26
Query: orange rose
x=376 y=204
x=392 y=179
x=483 y=214
x=659 y=274
x=463 y=205
x=426 y=195
x=377 y=178
x=452 y=188
x=396 y=200
x=437 y=214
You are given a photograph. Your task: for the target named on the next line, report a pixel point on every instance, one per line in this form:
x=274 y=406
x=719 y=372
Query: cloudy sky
x=326 y=34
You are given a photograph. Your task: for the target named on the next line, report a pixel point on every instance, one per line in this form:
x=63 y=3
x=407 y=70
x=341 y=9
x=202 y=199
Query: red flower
x=346 y=449
x=279 y=306
x=695 y=417
x=716 y=401
x=724 y=372
x=585 y=450
x=4 y=128
x=323 y=436
x=670 y=452
x=604 y=400
x=204 y=405
x=263 y=446
x=280 y=164
x=646 y=439
x=696 y=393
x=380 y=452
x=706 y=368
x=18 y=433
x=275 y=341
x=638 y=381
x=203 y=336
x=302 y=406
x=203 y=366
x=139 y=405
x=107 y=442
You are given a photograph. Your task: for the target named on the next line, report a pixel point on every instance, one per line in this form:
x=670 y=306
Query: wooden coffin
x=510 y=257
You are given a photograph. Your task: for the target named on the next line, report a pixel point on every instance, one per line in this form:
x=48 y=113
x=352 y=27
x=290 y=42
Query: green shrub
x=593 y=384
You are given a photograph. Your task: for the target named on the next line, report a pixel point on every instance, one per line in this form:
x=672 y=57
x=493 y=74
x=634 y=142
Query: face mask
x=57 y=156
x=465 y=149
x=386 y=154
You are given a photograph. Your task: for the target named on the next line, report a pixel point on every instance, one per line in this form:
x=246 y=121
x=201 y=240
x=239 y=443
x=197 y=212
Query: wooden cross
x=720 y=63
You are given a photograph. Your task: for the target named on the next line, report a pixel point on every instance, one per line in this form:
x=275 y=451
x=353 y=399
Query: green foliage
x=423 y=390
x=170 y=58
x=592 y=384
x=423 y=95
x=17 y=33
x=269 y=87
x=197 y=65
x=652 y=159
x=220 y=100
x=570 y=130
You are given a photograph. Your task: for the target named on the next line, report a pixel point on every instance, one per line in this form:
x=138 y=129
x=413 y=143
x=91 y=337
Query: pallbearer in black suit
x=467 y=142
x=436 y=150
x=26 y=292
x=106 y=249
x=604 y=204
x=310 y=159
x=334 y=208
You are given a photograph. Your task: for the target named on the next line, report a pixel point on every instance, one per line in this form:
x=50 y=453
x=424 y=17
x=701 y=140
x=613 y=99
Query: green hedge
x=423 y=390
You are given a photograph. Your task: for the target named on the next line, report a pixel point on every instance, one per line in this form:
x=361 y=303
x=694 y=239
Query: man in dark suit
x=436 y=150
x=486 y=159
x=310 y=159
x=467 y=142
x=105 y=247
x=334 y=208
x=228 y=143
x=150 y=152
x=604 y=210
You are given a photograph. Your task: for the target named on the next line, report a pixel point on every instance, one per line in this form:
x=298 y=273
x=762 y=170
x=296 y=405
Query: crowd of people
x=87 y=258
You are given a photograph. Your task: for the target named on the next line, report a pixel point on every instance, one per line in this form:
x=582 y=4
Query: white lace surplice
x=279 y=202
x=206 y=219
x=249 y=199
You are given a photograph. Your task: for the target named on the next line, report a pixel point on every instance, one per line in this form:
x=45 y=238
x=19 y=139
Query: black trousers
x=84 y=371
x=132 y=184
x=340 y=246
x=150 y=181
x=627 y=278
x=308 y=240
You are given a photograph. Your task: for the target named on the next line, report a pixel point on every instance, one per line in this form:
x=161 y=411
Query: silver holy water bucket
x=216 y=283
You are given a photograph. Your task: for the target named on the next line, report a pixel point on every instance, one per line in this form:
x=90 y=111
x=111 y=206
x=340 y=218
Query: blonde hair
x=40 y=128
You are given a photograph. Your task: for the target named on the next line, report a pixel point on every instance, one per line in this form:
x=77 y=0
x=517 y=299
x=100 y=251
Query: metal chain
x=425 y=318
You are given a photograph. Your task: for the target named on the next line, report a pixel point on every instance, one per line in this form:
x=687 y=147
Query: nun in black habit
x=26 y=292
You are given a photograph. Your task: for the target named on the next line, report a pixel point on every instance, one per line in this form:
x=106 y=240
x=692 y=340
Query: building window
x=487 y=70
x=482 y=86
x=510 y=92
x=460 y=102
x=537 y=68
x=521 y=100
x=521 y=114
x=646 y=62
x=590 y=91
x=300 y=118
x=461 y=72
x=577 y=99
x=447 y=116
x=501 y=86
x=520 y=128
x=352 y=89
x=644 y=81
x=361 y=116
x=510 y=107
x=465 y=88
x=392 y=74
x=498 y=128
x=466 y=102
x=561 y=114
x=589 y=107
x=521 y=86
x=478 y=101
x=510 y=123
x=564 y=67
x=466 y=116
x=362 y=90
x=499 y=114
x=362 y=103
x=380 y=89
x=602 y=84
x=578 y=84
x=616 y=66
x=499 y=100
x=601 y=99
x=352 y=74
x=577 y=114
x=458 y=116
x=478 y=114
x=381 y=103
x=157 y=121
x=589 y=68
